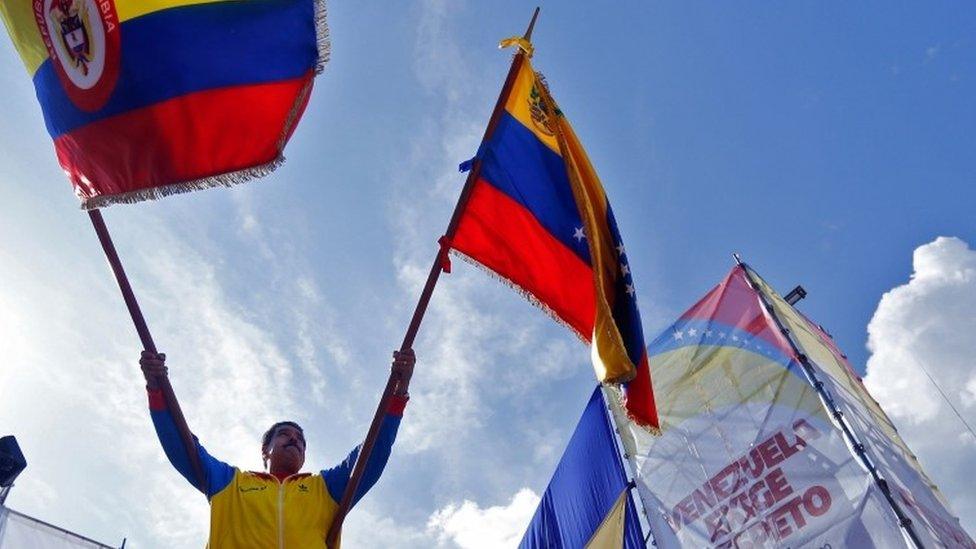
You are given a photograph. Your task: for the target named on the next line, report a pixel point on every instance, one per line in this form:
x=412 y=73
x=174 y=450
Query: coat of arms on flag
x=147 y=99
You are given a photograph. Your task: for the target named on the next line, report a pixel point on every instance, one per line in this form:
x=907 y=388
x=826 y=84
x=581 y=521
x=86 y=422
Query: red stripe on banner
x=639 y=396
x=193 y=137
x=734 y=303
x=505 y=237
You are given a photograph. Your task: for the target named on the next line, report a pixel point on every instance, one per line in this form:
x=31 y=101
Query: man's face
x=286 y=451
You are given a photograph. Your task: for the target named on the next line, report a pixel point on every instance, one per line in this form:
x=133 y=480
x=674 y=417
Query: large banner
x=749 y=455
x=916 y=495
x=19 y=531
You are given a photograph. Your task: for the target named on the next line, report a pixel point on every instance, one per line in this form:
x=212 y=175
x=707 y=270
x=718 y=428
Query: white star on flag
x=630 y=290
x=692 y=332
x=579 y=235
x=624 y=269
x=721 y=335
x=620 y=249
x=678 y=335
x=708 y=333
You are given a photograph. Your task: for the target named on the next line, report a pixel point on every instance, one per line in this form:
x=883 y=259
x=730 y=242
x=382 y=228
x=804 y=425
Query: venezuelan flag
x=538 y=217
x=146 y=98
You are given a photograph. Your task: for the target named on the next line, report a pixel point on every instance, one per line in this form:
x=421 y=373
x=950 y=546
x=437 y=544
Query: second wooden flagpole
x=418 y=314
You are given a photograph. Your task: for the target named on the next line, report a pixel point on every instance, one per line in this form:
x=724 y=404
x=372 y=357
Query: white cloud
x=367 y=527
x=470 y=527
x=466 y=525
x=448 y=399
x=929 y=323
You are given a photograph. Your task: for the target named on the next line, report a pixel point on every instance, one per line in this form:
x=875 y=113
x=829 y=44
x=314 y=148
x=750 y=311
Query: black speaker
x=12 y=461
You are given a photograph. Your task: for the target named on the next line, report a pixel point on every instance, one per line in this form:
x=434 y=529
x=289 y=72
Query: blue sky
x=825 y=143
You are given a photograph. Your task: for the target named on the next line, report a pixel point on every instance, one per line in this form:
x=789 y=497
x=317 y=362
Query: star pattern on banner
x=707 y=335
x=625 y=272
x=579 y=234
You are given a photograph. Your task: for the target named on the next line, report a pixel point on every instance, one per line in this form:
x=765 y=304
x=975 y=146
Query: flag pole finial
x=524 y=42
x=528 y=31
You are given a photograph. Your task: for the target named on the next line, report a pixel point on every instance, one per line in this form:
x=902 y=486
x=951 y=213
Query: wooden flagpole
x=147 y=343
x=418 y=314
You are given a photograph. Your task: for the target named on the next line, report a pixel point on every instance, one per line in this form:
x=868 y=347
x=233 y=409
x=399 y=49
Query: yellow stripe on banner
x=610 y=533
x=18 y=15
x=526 y=105
x=130 y=9
x=703 y=380
x=608 y=352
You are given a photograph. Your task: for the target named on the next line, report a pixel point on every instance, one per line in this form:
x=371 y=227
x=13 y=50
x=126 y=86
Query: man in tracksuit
x=281 y=507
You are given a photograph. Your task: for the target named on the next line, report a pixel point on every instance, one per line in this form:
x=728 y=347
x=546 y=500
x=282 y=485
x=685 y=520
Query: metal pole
x=418 y=314
x=147 y=343
x=76 y=537
x=828 y=401
x=630 y=470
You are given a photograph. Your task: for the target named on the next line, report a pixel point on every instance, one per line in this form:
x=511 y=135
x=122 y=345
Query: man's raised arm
x=218 y=474
x=337 y=477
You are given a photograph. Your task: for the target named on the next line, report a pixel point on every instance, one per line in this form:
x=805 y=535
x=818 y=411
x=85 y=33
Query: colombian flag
x=538 y=217
x=146 y=98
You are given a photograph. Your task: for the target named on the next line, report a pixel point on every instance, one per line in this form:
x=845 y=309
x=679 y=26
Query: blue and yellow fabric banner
x=582 y=504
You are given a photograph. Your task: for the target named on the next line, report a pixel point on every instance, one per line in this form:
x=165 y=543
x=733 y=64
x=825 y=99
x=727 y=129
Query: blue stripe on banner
x=624 y=306
x=182 y=50
x=627 y=318
x=587 y=481
x=517 y=164
x=696 y=332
